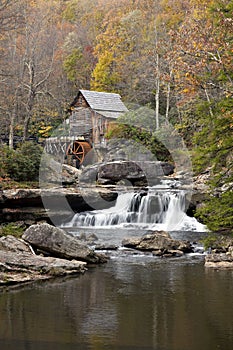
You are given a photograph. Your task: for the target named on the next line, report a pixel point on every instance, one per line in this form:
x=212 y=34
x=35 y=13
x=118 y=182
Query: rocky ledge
x=159 y=243
x=219 y=261
x=221 y=255
x=28 y=205
x=43 y=252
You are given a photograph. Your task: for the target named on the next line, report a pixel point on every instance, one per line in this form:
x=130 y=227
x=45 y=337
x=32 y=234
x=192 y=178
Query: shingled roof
x=104 y=103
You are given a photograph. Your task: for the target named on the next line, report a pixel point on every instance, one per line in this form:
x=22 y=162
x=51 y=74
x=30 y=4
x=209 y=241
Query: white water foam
x=157 y=209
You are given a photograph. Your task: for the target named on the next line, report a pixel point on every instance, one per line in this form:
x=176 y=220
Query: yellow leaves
x=32 y=3
x=19 y=128
x=189 y=90
x=44 y=130
x=197 y=46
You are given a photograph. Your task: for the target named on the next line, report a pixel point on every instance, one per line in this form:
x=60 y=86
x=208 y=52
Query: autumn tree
x=133 y=56
x=84 y=18
x=202 y=45
x=32 y=83
x=10 y=16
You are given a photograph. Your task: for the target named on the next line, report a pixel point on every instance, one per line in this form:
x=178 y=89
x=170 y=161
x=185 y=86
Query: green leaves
x=217 y=214
x=71 y=62
x=214 y=140
x=23 y=163
x=215 y=149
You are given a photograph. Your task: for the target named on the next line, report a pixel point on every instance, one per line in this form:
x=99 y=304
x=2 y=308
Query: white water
x=157 y=209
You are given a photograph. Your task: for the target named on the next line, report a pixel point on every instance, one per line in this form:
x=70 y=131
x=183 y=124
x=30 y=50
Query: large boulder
x=26 y=267
x=160 y=243
x=55 y=173
x=138 y=173
x=58 y=243
x=19 y=263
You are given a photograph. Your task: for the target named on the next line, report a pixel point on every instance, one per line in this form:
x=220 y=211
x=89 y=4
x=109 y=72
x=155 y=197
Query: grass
x=7 y=184
x=12 y=229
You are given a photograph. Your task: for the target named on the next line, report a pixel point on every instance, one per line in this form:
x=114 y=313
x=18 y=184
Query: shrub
x=21 y=164
x=5 y=153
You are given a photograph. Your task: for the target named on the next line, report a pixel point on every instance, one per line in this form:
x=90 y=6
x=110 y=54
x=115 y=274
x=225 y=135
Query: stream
x=136 y=300
x=132 y=302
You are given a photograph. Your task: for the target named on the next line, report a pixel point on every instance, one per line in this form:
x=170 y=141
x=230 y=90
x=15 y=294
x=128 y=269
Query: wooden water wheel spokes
x=78 y=149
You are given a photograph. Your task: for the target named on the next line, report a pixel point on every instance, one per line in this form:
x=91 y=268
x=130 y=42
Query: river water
x=134 y=301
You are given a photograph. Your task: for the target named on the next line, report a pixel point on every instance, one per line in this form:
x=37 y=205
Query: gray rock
x=176 y=252
x=218 y=257
x=131 y=242
x=71 y=170
x=57 y=242
x=140 y=172
x=160 y=243
x=26 y=267
x=89 y=174
x=230 y=251
x=87 y=238
x=20 y=194
x=57 y=173
x=13 y=244
x=168 y=253
x=218 y=261
x=106 y=247
x=27 y=205
x=118 y=170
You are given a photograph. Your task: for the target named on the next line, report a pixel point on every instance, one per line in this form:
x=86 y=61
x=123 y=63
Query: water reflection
x=125 y=304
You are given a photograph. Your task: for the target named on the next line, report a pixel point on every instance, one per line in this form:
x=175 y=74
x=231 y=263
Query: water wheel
x=78 y=150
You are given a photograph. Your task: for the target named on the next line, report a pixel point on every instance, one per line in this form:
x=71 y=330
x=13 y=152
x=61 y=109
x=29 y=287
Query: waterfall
x=157 y=209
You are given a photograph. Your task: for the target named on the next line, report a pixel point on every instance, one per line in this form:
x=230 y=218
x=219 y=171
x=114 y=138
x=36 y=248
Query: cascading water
x=157 y=209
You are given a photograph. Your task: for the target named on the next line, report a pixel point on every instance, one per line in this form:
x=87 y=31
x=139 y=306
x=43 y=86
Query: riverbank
x=35 y=209
x=43 y=252
x=221 y=253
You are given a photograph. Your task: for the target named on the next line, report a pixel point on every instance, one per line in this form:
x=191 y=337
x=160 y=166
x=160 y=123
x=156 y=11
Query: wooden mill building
x=91 y=113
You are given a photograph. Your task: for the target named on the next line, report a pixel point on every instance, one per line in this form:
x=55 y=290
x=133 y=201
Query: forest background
x=174 y=56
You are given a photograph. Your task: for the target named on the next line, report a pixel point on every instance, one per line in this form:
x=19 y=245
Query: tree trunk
x=168 y=102
x=157 y=93
x=26 y=126
x=11 y=130
x=30 y=104
x=168 y=97
x=12 y=119
x=208 y=99
x=157 y=102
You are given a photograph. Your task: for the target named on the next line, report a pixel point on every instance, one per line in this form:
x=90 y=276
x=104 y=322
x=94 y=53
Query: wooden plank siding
x=81 y=122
